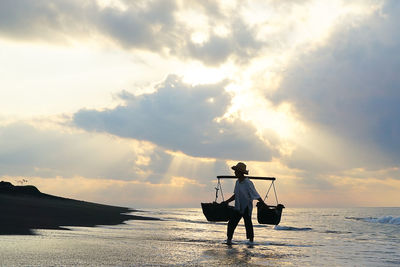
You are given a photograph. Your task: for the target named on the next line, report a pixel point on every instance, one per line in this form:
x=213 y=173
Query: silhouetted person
x=244 y=194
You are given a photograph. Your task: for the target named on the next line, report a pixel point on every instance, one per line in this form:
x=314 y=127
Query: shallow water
x=305 y=237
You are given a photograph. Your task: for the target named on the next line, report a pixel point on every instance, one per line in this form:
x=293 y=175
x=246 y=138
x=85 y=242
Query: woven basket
x=269 y=214
x=217 y=212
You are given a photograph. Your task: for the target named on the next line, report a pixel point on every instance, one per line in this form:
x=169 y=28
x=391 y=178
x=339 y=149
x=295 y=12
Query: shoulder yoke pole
x=250 y=177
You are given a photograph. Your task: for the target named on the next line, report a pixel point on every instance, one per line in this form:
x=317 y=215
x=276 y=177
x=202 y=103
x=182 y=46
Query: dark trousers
x=233 y=222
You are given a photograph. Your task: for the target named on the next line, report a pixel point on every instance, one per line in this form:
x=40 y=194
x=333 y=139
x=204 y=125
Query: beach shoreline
x=24 y=209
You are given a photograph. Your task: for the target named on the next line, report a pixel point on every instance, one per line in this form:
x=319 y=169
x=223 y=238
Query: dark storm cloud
x=147 y=25
x=351 y=87
x=180 y=117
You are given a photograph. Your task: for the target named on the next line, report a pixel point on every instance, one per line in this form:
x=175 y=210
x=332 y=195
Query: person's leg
x=249 y=225
x=233 y=222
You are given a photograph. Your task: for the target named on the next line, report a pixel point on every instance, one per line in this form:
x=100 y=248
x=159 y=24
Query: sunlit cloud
x=49 y=149
x=173 y=117
x=347 y=94
x=127 y=98
x=30 y=151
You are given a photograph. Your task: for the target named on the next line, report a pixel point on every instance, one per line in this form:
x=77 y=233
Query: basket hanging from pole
x=222 y=212
x=217 y=212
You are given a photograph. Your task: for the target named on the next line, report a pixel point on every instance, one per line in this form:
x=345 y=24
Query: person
x=243 y=194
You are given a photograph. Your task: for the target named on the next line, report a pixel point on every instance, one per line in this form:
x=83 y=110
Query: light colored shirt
x=245 y=193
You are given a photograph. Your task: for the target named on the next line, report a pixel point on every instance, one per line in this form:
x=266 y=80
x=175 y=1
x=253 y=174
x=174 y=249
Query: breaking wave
x=384 y=219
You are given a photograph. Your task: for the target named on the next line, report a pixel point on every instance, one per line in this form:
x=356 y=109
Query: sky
x=143 y=103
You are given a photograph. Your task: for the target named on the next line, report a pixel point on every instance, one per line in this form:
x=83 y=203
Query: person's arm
x=230 y=199
x=261 y=201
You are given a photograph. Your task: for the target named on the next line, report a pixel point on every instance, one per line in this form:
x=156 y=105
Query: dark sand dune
x=23 y=208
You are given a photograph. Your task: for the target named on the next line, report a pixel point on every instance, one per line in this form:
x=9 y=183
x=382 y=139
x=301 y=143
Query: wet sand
x=21 y=212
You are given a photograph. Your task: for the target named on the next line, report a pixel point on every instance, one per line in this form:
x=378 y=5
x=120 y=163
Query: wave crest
x=384 y=219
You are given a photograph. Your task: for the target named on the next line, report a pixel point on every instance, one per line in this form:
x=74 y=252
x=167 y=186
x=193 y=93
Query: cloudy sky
x=142 y=103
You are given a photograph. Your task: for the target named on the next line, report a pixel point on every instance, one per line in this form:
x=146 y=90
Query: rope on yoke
x=222 y=192
x=266 y=195
x=276 y=197
x=219 y=187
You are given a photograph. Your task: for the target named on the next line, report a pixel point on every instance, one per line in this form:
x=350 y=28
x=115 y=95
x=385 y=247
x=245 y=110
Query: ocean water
x=305 y=237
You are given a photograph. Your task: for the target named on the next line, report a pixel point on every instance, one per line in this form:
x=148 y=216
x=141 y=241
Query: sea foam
x=384 y=219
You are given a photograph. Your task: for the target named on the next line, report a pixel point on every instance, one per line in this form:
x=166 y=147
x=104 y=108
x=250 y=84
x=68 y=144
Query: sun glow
x=195 y=73
x=263 y=114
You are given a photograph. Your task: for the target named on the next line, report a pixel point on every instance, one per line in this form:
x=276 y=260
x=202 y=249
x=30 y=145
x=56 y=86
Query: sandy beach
x=23 y=209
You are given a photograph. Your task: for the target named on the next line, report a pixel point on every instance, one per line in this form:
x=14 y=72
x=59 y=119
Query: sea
x=183 y=237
